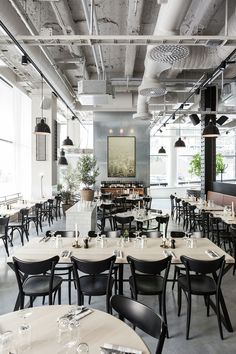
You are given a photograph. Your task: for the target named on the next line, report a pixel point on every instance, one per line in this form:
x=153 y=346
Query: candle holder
x=76 y=244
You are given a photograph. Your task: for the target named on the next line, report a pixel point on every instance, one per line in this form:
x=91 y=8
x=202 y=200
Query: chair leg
x=69 y=286
x=59 y=296
x=219 y=316
x=89 y=299
x=164 y=312
x=31 y=301
x=6 y=245
x=160 y=304
x=175 y=277
x=179 y=299
x=189 y=305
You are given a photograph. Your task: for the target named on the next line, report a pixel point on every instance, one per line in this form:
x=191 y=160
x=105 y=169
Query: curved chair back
x=149 y=267
x=163 y=220
x=125 y=222
x=93 y=267
x=3 y=232
x=65 y=233
x=147 y=202
x=141 y=316
x=202 y=266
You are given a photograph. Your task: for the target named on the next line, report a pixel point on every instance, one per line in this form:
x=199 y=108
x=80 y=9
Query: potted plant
x=87 y=173
x=70 y=183
x=195 y=165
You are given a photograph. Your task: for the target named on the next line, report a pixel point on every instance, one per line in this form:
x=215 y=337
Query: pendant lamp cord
x=42 y=97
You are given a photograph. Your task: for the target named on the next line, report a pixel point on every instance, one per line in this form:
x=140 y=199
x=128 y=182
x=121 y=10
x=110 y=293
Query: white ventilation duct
x=170 y=17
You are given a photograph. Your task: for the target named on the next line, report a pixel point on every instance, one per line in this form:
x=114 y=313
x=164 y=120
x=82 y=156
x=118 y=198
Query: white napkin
x=118 y=349
x=212 y=254
x=118 y=253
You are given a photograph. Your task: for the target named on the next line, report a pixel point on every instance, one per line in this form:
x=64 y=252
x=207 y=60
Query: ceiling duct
x=94 y=92
x=152 y=88
x=142 y=116
x=168 y=53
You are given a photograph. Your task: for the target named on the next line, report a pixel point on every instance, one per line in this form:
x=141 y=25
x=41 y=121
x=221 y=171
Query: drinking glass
x=83 y=348
x=7 y=343
x=143 y=241
x=24 y=332
x=63 y=331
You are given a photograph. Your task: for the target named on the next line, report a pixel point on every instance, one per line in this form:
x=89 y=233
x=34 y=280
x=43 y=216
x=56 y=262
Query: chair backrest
x=93 y=267
x=164 y=219
x=123 y=221
x=92 y=233
x=23 y=215
x=23 y=269
x=65 y=233
x=177 y=234
x=4 y=225
x=149 y=267
x=233 y=230
x=147 y=202
x=202 y=266
x=142 y=317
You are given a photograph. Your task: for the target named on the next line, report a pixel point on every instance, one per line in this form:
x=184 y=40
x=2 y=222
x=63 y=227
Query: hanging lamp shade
x=211 y=131
x=67 y=142
x=62 y=159
x=42 y=128
x=162 y=150
x=179 y=143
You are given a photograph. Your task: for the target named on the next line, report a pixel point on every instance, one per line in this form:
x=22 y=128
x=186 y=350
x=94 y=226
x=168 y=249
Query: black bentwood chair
x=201 y=284
x=142 y=317
x=97 y=280
x=3 y=232
x=146 y=279
x=33 y=281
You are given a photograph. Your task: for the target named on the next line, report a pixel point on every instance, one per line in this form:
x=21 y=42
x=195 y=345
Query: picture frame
x=121 y=156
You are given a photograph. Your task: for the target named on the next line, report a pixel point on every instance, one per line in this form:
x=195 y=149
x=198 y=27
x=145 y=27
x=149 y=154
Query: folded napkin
x=118 y=253
x=212 y=254
x=118 y=349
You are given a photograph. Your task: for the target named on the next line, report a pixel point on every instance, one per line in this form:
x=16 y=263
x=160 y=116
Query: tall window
x=225 y=145
x=158 y=162
x=15 y=141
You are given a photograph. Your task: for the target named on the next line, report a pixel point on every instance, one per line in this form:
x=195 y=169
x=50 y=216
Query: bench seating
x=220 y=198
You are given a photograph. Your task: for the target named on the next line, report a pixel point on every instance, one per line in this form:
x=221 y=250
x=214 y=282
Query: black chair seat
x=94 y=285
x=200 y=284
x=38 y=285
x=147 y=284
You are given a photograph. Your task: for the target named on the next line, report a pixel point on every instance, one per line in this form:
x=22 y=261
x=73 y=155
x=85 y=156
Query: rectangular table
x=35 y=250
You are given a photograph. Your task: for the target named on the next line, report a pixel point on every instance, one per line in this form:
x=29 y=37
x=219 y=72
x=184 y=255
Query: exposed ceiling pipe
x=18 y=24
x=169 y=19
x=64 y=18
x=209 y=58
x=95 y=21
x=87 y=17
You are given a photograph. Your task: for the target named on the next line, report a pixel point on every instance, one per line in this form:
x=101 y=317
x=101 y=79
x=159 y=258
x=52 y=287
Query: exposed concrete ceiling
x=118 y=59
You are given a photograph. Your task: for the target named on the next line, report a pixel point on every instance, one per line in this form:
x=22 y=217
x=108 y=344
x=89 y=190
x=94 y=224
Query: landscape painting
x=121 y=156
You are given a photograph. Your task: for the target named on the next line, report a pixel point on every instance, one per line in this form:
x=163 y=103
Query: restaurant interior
x=117 y=176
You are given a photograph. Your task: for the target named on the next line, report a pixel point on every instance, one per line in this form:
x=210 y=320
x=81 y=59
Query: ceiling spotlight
x=211 y=131
x=121 y=131
x=62 y=160
x=164 y=125
x=67 y=142
x=179 y=143
x=162 y=151
x=24 y=60
x=222 y=120
x=194 y=119
x=160 y=131
x=173 y=116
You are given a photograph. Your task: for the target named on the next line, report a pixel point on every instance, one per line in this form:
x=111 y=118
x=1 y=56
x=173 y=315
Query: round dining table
x=95 y=329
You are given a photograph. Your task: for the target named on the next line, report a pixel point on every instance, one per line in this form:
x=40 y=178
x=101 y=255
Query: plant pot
x=87 y=195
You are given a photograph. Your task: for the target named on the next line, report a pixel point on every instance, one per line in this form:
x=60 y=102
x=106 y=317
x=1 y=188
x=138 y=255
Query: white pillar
x=73 y=131
x=172 y=161
x=44 y=173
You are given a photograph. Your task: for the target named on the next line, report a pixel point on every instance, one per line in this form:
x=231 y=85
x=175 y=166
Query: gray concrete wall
x=109 y=124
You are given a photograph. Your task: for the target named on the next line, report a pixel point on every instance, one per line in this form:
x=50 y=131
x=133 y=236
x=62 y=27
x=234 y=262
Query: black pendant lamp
x=42 y=128
x=162 y=151
x=211 y=130
x=180 y=143
x=62 y=159
x=24 y=60
x=67 y=142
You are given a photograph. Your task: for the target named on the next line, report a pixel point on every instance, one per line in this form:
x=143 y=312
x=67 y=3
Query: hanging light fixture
x=42 y=128
x=179 y=143
x=62 y=159
x=162 y=150
x=211 y=130
x=67 y=142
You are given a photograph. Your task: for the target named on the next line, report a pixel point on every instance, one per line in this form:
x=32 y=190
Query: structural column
x=172 y=160
x=208 y=145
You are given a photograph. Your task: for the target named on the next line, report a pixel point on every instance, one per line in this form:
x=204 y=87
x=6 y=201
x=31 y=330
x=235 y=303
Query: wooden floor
x=204 y=332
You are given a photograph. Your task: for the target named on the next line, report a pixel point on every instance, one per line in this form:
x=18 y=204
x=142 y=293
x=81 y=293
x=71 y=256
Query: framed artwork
x=121 y=156
x=40 y=144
